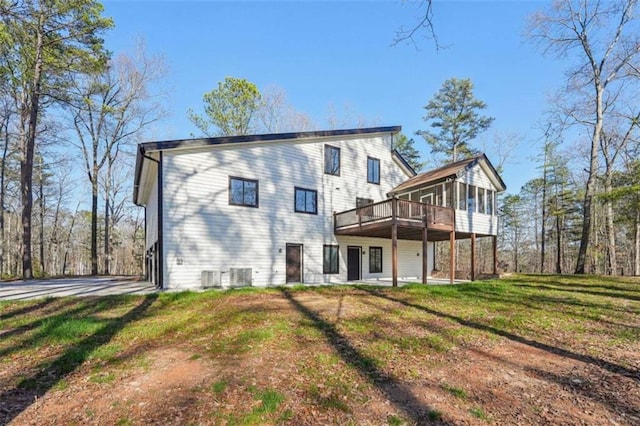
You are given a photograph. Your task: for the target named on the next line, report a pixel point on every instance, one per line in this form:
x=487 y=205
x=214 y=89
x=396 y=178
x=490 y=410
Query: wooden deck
x=411 y=217
x=408 y=220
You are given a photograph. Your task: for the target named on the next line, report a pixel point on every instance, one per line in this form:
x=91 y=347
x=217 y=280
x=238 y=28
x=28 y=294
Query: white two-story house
x=311 y=207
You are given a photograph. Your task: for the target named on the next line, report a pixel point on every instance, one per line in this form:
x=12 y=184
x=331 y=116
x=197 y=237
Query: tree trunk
x=636 y=240
x=543 y=210
x=26 y=163
x=106 y=235
x=107 y=190
x=587 y=213
x=3 y=164
x=559 y=245
x=612 y=262
x=94 y=224
x=42 y=206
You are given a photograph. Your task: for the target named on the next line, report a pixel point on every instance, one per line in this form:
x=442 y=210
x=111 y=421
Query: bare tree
x=277 y=115
x=109 y=111
x=606 y=47
x=45 y=44
x=423 y=25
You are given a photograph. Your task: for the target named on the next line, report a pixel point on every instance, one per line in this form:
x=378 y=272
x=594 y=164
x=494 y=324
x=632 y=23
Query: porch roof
x=450 y=171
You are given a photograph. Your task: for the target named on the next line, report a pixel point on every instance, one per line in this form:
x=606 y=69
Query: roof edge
x=404 y=162
x=199 y=142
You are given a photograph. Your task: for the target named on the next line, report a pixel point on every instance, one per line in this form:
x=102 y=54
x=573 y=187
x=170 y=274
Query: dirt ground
x=494 y=380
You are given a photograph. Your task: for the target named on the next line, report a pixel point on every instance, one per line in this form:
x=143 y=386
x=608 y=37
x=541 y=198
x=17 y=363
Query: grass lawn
x=528 y=350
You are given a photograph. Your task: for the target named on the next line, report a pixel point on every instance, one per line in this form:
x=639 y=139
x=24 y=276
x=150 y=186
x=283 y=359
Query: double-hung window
x=375 y=260
x=243 y=192
x=330 y=257
x=373 y=170
x=331 y=160
x=306 y=201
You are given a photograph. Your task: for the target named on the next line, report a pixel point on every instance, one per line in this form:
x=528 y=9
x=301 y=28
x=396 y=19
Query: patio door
x=294 y=263
x=354 y=258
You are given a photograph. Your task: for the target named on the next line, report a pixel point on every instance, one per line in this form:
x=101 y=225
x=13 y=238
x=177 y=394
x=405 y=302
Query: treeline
x=71 y=114
x=584 y=207
x=541 y=225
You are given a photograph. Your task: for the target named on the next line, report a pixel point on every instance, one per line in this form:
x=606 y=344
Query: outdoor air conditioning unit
x=239 y=277
x=211 y=279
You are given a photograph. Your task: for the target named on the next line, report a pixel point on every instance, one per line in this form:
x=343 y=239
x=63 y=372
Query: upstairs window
x=330 y=260
x=373 y=170
x=363 y=201
x=471 y=199
x=490 y=205
x=462 y=196
x=375 y=260
x=306 y=201
x=243 y=192
x=439 y=195
x=481 y=200
x=331 y=160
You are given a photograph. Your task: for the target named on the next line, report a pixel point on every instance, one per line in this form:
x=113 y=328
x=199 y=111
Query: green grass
x=479 y=413
x=286 y=351
x=219 y=386
x=457 y=392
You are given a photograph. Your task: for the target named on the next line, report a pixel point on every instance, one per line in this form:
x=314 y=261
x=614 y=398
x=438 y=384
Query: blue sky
x=340 y=53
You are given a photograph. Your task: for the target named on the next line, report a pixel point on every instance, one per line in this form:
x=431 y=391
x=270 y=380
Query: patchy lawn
x=526 y=350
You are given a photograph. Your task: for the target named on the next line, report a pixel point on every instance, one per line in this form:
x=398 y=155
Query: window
x=306 y=201
x=366 y=211
x=243 y=192
x=490 y=208
x=373 y=170
x=375 y=260
x=462 y=196
x=439 y=195
x=363 y=201
x=331 y=160
x=330 y=264
x=471 y=199
x=481 y=208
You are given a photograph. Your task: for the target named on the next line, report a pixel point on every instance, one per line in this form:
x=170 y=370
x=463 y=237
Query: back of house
x=259 y=210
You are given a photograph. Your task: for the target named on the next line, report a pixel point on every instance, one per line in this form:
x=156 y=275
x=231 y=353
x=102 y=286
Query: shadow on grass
x=623 y=284
x=47 y=375
x=569 y=289
x=599 y=389
x=398 y=394
x=26 y=309
x=632 y=373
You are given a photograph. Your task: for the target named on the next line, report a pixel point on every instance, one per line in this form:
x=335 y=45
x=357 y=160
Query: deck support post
x=495 y=254
x=394 y=241
x=452 y=249
x=425 y=255
x=473 y=257
x=425 y=248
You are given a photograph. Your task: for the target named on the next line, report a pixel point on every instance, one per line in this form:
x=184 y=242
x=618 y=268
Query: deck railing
x=405 y=210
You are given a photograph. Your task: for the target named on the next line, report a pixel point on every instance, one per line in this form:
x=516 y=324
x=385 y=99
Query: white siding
x=203 y=232
x=478 y=177
x=409 y=257
x=478 y=223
